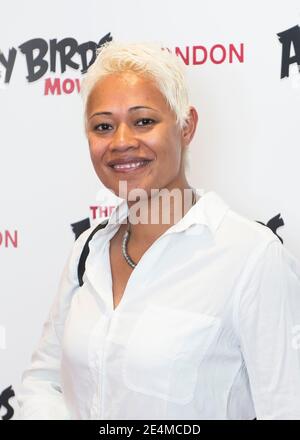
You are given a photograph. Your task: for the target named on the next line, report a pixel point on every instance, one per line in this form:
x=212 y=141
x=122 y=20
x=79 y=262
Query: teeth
x=128 y=165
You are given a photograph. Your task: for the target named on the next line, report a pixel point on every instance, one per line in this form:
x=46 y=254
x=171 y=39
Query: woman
x=190 y=318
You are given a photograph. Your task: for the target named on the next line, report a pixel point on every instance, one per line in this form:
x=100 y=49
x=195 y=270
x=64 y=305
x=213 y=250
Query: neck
x=160 y=212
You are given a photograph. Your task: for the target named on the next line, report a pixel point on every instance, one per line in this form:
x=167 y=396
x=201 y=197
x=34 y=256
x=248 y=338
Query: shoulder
x=69 y=274
x=231 y=229
x=246 y=234
x=266 y=261
x=249 y=245
x=69 y=283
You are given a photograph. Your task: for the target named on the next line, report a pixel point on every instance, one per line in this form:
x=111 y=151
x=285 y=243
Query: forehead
x=126 y=89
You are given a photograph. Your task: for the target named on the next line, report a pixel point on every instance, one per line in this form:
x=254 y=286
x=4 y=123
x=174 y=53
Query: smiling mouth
x=130 y=166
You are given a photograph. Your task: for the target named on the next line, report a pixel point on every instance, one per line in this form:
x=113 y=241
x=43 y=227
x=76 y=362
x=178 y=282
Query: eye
x=103 y=127
x=145 y=121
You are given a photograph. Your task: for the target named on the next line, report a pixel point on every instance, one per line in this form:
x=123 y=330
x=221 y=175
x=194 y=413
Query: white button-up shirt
x=208 y=327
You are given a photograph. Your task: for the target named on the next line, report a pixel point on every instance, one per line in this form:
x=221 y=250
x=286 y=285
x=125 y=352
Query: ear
x=189 y=129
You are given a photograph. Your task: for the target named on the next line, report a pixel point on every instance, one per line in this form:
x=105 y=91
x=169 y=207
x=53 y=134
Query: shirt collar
x=209 y=210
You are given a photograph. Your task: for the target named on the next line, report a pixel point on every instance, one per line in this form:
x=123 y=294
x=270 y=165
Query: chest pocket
x=164 y=351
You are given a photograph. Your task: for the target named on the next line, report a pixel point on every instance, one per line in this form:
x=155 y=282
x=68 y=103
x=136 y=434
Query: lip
x=139 y=169
x=129 y=159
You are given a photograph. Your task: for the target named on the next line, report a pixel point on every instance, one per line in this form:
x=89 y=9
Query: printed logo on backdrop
x=274 y=223
x=9 y=239
x=6 y=410
x=290 y=55
x=103 y=209
x=54 y=57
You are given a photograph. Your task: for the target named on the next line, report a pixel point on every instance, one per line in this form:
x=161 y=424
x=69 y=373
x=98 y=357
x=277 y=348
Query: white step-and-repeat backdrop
x=243 y=62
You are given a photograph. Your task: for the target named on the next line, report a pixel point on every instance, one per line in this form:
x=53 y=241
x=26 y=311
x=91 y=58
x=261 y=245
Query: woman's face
x=133 y=135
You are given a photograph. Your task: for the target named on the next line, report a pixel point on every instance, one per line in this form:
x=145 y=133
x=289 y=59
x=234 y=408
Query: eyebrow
x=137 y=107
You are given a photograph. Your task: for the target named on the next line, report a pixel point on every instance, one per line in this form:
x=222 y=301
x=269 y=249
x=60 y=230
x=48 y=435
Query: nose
x=123 y=138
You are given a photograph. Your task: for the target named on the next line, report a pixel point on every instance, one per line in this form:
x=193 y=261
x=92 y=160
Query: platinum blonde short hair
x=147 y=59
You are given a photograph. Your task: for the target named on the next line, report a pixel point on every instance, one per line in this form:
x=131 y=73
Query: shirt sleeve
x=269 y=332
x=40 y=396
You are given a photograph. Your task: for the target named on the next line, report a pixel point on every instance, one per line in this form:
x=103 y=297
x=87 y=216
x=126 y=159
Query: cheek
x=164 y=143
x=170 y=149
x=96 y=150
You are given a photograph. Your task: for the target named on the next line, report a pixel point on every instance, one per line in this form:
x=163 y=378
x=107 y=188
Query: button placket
x=96 y=350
